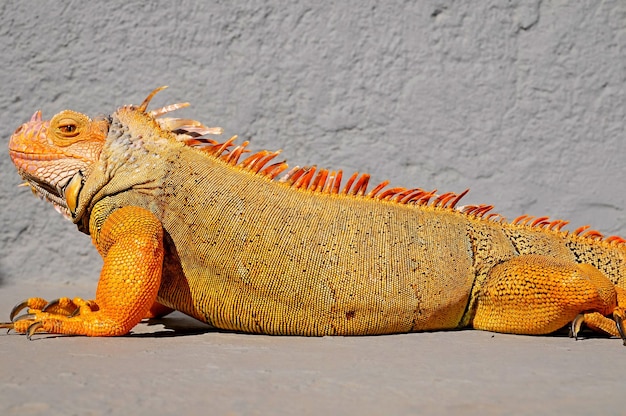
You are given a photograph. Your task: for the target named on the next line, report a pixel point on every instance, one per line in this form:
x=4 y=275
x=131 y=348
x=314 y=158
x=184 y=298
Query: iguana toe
x=597 y=322
x=68 y=307
x=29 y=323
x=7 y=325
x=21 y=323
x=31 y=303
x=619 y=322
x=51 y=304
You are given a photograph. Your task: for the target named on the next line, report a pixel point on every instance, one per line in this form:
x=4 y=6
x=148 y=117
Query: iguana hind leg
x=131 y=243
x=533 y=294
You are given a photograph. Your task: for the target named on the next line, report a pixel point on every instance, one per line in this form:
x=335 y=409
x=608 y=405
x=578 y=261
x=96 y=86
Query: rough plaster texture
x=521 y=101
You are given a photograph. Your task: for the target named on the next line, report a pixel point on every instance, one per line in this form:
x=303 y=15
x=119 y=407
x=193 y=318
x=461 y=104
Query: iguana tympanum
x=183 y=224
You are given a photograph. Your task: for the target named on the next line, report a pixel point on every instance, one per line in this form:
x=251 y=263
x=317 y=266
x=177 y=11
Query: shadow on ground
x=175 y=325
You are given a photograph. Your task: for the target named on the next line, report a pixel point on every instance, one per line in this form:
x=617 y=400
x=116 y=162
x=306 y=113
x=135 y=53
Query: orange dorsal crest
x=310 y=178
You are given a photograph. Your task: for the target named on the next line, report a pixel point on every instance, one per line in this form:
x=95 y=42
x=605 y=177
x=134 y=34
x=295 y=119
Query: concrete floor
x=179 y=366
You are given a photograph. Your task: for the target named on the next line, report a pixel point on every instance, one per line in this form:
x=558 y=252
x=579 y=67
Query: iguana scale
x=184 y=222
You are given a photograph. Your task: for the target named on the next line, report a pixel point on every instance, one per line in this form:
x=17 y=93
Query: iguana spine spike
x=443 y=198
x=320 y=180
x=483 y=210
x=222 y=148
x=579 y=230
x=377 y=189
x=304 y=180
x=235 y=154
x=200 y=143
x=390 y=193
x=351 y=180
x=361 y=185
x=414 y=193
x=274 y=170
x=289 y=175
x=260 y=163
x=469 y=209
x=337 y=183
x=539 y=222
x=167 y=109
x=553 y=224
x=594 y=235
x=517 y=220
x=424 y=199
x=144 y=104
x=561 y=224
x=249 y=162
x=329 y=182
x=400 y=196
x=615 y=239
x=457 y=199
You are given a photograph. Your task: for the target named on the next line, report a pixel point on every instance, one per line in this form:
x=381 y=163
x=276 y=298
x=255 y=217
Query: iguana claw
x=575 y=326
x=31 y=303
x=577 y=323
x=24 y=317
x=58 y=303
x=620 y=325
x=32 y=329
x=17 y=308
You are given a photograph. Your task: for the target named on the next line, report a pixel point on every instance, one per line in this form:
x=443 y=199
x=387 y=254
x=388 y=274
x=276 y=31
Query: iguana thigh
x=533 y=294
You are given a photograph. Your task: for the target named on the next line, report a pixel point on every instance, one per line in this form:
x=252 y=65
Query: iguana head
x=56 y=157
x=53 y=156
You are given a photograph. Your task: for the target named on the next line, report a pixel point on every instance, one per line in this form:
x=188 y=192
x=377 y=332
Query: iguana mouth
x=47 y=192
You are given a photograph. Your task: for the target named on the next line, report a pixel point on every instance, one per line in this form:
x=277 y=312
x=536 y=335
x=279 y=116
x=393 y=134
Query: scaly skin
x=181 y=224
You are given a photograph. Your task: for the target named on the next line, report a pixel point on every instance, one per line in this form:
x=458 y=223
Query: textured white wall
x=521 y=101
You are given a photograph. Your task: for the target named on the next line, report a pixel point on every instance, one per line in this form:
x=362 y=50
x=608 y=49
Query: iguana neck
x=133 y=158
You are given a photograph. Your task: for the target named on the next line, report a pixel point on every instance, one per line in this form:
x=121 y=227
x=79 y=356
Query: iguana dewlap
x=183 y=224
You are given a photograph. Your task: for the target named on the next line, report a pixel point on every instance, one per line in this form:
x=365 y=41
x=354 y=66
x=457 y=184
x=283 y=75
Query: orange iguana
x=183 y=224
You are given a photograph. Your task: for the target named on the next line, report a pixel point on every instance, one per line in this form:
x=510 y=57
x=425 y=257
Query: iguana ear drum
x=72 y=191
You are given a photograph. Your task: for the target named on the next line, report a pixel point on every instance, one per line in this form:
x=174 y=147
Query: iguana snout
x=49 y=153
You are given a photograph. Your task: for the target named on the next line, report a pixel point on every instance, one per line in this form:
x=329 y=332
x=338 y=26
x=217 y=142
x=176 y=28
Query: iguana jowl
x=250 y=245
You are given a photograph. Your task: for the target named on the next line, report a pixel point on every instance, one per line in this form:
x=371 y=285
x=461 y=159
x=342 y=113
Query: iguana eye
x=68 y=128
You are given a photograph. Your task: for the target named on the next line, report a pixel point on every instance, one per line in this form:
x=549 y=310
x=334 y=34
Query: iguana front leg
x=534 y=294
x=131 y=244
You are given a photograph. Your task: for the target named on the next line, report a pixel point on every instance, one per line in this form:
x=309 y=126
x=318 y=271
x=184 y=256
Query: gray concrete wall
x=521 y=101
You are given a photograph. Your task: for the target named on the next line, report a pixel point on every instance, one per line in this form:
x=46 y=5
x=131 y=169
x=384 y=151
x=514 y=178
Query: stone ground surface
x=179 y=366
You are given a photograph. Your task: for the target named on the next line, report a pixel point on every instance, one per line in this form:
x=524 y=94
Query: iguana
x=184 y=222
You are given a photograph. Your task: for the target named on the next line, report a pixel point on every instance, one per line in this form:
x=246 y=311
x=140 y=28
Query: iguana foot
x=600 y=323
x=61 y=306
x=73 y=314
x=42 y=314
